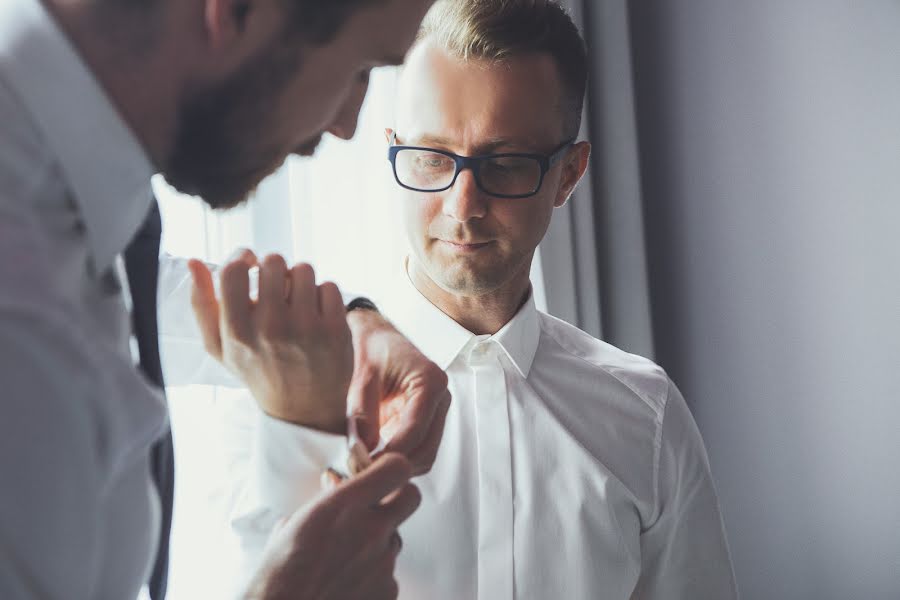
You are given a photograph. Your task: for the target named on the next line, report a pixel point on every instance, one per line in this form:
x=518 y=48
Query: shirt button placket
x=495 y=523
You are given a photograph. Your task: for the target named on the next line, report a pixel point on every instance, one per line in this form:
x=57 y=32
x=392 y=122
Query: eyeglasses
x=502 y=175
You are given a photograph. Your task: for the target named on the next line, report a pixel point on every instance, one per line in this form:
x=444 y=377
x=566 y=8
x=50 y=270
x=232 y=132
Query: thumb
x=206 y=307
x=363 y=402
x=364 y=429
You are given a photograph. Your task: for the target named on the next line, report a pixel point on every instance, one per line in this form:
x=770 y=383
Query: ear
x=388 y=132
x=225 y=20
x=574 y=166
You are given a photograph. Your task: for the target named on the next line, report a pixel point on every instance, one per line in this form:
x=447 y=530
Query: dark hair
x=318 y=21
x=495 y=30
x=315 y=22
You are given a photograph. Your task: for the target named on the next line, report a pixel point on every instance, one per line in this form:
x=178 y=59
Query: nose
x=344 y=125
x=464 y=201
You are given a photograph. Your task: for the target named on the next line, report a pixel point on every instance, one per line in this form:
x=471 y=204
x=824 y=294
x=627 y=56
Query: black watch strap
x=361 y=303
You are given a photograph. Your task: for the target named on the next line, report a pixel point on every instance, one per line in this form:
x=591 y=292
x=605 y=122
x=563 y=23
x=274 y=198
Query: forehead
x=477 y=100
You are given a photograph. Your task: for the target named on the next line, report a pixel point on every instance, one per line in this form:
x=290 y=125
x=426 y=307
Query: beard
x=219 y=152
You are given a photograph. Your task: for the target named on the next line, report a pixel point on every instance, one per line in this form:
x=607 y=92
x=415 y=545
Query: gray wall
x=769 y=135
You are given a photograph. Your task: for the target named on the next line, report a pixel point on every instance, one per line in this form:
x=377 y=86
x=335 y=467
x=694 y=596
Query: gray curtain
x=745 y=198
x=594 y=257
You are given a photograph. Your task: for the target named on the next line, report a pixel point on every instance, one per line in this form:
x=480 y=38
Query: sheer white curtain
x=337 y=211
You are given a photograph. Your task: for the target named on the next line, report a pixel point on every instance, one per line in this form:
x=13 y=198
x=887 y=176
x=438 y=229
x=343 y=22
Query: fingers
x=304 y=298
x=236 y=303
x=330 y=479
x=364 y=399
x=424 y=456
x=206 y=307
x=285 y=296
x=388 y=473
x=424 y=396
x=272 y=301
x=401 y=505
x=331 y=305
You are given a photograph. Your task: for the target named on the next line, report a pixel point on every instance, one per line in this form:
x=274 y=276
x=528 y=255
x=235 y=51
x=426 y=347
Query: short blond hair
x=496 y=30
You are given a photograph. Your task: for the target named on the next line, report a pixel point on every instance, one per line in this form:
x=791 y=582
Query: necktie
x=142 y=267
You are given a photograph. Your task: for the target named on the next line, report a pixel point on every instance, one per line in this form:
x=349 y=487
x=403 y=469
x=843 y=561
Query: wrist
x=310 y=419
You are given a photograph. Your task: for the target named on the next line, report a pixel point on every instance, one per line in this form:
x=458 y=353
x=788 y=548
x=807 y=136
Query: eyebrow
x=485 y=147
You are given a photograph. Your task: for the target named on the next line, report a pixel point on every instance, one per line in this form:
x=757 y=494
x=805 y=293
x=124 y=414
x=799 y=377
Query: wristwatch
x=361 y=303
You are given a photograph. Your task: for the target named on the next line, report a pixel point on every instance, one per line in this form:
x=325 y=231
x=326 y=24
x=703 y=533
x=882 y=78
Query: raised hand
x=291 y=346
x=396 y=391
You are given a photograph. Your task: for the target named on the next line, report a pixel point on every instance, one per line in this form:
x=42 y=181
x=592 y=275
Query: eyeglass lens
x=431 y=171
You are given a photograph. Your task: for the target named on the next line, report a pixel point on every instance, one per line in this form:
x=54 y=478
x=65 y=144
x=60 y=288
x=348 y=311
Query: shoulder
x=640 y=378
x=611 y=402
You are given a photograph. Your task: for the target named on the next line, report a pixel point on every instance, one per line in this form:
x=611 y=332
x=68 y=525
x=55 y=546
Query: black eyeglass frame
x=473 y=163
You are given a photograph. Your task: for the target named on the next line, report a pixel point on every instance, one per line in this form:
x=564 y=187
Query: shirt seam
x=657 y=453
x=657 y=411
x=634 y=497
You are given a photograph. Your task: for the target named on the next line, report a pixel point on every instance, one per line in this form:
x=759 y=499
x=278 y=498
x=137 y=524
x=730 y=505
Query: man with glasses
x=568 y=468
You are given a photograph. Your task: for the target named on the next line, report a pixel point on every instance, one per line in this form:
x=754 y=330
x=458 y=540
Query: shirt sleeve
x=274 y=469
x=66 y=432
x=684 y=553
x=48 y=466
x=184 y=359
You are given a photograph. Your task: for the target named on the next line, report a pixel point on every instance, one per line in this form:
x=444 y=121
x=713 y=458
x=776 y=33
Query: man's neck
x=481 y=313
x=142 y=88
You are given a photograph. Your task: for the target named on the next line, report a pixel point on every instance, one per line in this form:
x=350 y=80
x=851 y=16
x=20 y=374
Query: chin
x=465 y=280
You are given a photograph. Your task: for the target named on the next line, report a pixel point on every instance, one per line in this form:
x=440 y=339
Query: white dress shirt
x=79 y=514
x=568 y=469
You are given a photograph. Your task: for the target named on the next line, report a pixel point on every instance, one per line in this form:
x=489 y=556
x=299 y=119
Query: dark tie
x=142 y=266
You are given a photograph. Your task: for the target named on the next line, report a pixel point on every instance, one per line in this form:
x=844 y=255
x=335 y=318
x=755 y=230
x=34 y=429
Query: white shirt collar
x=102 y=161
x=442 y=339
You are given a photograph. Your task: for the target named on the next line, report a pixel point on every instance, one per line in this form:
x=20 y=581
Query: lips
x=464 y=246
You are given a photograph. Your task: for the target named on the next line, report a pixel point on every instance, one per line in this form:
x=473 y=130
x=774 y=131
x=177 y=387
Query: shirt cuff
x=288 y=461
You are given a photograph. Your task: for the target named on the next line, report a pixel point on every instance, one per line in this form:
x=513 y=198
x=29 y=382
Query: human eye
x=432 y=161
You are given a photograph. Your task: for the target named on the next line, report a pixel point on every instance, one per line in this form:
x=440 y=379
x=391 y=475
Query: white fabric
x=79 y=514
x=568 y=469
x=181 y=352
